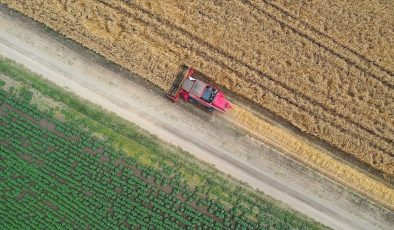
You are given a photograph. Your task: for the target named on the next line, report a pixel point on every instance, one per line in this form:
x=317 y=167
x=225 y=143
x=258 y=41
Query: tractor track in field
x=320 y=45
x=361 y=58
x=330 y=51
x=334 y=115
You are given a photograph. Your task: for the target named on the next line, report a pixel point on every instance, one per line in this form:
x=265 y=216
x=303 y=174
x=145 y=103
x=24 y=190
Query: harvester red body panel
x=190 y=88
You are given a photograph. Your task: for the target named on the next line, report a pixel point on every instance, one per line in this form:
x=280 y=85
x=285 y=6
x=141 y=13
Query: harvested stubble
x=321 y=85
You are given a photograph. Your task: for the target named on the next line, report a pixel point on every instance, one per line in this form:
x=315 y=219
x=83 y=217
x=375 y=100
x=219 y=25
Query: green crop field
x=57 y=173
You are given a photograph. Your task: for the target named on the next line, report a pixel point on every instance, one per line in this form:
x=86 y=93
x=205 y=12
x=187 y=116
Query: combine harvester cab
x=188 y=86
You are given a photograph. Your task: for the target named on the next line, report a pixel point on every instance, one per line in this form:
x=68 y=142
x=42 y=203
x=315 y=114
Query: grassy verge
x=149 y=151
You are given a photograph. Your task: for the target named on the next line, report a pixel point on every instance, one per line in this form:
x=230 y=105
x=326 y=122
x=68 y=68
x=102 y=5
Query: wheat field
x=290 y=58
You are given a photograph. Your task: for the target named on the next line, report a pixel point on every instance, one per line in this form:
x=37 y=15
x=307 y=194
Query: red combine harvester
x=190 y=88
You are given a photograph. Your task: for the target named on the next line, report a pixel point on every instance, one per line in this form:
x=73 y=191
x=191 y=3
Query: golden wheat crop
x=366 y=27
x=261 y=51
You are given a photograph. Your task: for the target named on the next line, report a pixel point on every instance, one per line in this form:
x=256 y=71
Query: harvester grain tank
x=192 y=88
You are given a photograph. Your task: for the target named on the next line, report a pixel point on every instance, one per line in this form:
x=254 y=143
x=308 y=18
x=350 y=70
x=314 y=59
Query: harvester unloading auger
x=191 y=88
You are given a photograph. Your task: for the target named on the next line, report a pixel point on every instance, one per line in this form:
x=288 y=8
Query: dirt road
x=195 y=131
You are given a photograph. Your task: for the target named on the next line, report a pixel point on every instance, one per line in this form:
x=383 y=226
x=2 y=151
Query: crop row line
x=56 y=174
x=377 y=123
x=362 y=58
x=358 y=114
x=233 y=59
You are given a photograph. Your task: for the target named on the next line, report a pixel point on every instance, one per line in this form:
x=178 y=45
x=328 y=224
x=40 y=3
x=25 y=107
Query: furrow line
x=363 y=117
x=322 y=34
x=387 y=82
